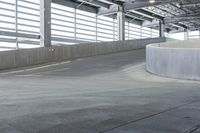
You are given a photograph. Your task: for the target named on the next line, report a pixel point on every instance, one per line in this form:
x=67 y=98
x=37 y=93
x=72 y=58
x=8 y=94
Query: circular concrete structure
x=177 y=59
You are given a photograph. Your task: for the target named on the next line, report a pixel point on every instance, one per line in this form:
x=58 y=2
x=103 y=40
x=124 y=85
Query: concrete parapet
x=27 y=57
x=177 y=59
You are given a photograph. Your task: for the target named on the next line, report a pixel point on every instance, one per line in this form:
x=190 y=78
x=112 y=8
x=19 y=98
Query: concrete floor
x=102 y=94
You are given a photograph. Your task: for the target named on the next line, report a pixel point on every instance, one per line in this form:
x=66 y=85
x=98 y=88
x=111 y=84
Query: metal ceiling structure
x=177 y=15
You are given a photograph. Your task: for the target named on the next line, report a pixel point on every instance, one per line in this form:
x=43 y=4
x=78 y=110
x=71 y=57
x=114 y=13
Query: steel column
x=16 y=22
x=161 y=28
x=114 y=29
x=96 y=34
x=199 y=33
x=45 y=23
x=186 y=37
x=121 y=24
x=75 y=24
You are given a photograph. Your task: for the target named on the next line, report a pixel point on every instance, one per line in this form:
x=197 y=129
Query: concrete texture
x=177 y=59
x=101 y=94
x=193 y=43
x=27 y=57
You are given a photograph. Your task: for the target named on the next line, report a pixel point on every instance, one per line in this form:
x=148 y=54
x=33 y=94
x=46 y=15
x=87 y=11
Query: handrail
x=15 y=34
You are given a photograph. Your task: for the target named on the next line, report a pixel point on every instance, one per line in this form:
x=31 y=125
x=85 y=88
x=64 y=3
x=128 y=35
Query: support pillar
x=16 y=22
x=75 y=24
x=161 y=29
x=199 y=33
x=45 y=23
x=186 y=34
x=120 y=24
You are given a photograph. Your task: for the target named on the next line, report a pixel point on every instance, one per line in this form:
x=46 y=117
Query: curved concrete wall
x=177 y=59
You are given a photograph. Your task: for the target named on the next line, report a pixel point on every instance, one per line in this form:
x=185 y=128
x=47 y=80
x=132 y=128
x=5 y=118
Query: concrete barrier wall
x=27 y=57
x=179 y=59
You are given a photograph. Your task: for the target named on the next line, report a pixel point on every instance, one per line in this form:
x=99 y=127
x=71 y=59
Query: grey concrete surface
x=27 y=57
x=101 y=94
x=193 y=43
x=177 y=59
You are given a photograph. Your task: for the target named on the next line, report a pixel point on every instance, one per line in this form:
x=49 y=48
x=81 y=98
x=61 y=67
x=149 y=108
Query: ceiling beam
x=132 y=6
x=139 y=5
x=191 y=4
x=140 y=17
x=112 y=10
x=133 y=20
x=96 y=3
x=182 y=30
x=129 y=19
x=114 y=2
x=74 y=5
x=150 y=14
x=181 y=18
x=154 y=23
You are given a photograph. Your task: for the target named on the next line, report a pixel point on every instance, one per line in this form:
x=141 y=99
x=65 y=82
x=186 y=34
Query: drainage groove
x=193 y=129
x=147 y=117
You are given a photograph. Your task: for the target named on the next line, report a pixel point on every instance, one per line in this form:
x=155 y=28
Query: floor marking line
x=41 y=67
x=35 y=68
x=28 y=75
x=11 y=72
x=50 y=71
x=65 y=62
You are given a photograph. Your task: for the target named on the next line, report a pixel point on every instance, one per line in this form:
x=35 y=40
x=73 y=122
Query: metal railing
x=193 y=34
x=19 y=20
x=81 y=26
x=20 y=25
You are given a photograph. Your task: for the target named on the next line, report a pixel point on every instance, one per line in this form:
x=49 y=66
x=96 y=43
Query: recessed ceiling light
x=151 y=1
